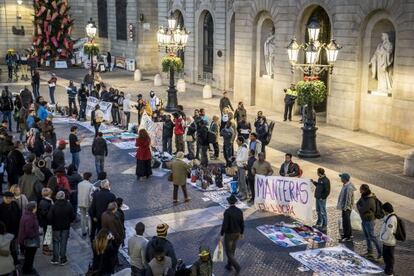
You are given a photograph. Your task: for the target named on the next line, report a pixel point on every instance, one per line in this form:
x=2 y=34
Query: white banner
x=154 y=131
x=104 y=106
x=284 y=195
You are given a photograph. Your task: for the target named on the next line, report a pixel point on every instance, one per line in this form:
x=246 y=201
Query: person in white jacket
x=387 y=236
x=126 y=106
x=85 y=190
x=242 y=156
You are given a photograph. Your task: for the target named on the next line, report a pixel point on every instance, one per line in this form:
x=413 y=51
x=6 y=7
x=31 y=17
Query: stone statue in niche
x=381 y=64
x=269 y=49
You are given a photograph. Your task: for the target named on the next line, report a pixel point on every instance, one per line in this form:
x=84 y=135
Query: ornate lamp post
x=312 y=68
x=172 y=39
x=93 y=48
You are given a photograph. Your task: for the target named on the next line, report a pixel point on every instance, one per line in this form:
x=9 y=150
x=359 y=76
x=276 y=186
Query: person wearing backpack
x=387 y=236
x=367 y=209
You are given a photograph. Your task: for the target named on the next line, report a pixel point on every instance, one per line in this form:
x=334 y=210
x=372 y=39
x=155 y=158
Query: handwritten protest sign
x=104 y=106
x=154 y=131
x=284 y=195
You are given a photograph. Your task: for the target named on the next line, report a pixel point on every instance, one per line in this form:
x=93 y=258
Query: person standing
x=74 y=146
x=260 y=167
x=52 y=87
x=137 y=246
x=367 y=208
x=262 y=129
x=9 y=62
x=179 y=130
x=42 y=212
x=232 y=230
x=242 y=156
x=83 y=101
x=23 y=63
x=100 y=151
x=26 y=97
x=322 y=191
x=104 y=253
x=60 y=216
x=225 y=103
x=215 y=128
x=228 y=134
x=160 y=264
x=161 y=241
x=126 y=106
x=244 y=128
x=30 y=184
x=85 y=190
x=167 y=133
x=111 y=222
x=140 y=106
x=109 y=61
x=290 y=96
x=387 y=236
x=7 y=266
x=72 y=92
x=288 y=168
x=255 y=144
x=97 y=117
x=29 y=239
x=346 y=204
x=36 y=84
x=143 y=154
x=240 y=113
x=48 y=131
x=14 y=164
x=203 y=141
x=6 y=107
x=115 y=107
x=58 y=157
x=10 y=213
x=179 y=171
x=154 y=101
x=88 y=81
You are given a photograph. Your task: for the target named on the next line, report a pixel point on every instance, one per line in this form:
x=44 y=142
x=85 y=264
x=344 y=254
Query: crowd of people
x=46 y=192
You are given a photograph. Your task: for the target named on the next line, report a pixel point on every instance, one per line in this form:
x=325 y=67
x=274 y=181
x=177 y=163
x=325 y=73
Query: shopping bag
x=48 y=236
x=218 y=253
x=356 y=221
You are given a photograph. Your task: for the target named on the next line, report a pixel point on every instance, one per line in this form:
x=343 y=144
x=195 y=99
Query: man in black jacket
x=202 y=139
x=100 y=151
x=232 y=230
x=10 y=214
x=288 y=168
x=14 y=163
x=60 y=216
x=161 y=241
x=100 y=201
x=322 y=190
x=58 y=157
x=167 y=134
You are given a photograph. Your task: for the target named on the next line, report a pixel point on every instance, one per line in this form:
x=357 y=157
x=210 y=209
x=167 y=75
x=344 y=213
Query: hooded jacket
x=366 y=207
x=346 y=197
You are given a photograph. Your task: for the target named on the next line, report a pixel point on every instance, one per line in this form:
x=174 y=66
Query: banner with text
x=154 y=131
x=284 y=195
x=104 y=106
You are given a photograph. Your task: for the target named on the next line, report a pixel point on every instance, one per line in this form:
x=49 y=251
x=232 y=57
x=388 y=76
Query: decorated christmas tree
x=53 y=27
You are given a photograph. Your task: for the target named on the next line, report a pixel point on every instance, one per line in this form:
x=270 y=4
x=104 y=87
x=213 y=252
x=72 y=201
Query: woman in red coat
x=143 y=155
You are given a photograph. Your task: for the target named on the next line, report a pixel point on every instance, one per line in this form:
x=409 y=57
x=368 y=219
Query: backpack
x=379 y=212
x=400 y=234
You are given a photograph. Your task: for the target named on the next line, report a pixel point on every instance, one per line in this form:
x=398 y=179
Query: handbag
x=32 y=242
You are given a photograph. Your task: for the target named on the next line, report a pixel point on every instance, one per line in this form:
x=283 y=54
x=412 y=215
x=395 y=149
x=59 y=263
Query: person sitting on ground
x=204 y=265
x=288 y=168
x=161 y=241
x=160 y=265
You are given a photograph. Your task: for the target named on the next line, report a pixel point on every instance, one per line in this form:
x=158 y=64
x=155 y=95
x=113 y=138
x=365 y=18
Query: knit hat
x=162 y=230
x=60 y=195
x=8 y=194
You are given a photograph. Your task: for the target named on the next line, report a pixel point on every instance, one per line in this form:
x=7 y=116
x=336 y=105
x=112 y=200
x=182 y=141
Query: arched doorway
x=321 y=16
x=208 y=43
x=180 y=24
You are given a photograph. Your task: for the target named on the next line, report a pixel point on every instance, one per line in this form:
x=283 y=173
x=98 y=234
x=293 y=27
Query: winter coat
x=99 y=147
x=6 y=259
x=100 y=201
x=43 y=209
x=202 y=136
x=106 y=262
x=10 y=215
x=31 y=186
x=114 y=225
x=178 y=126
x=225 y=102
x=29 y=227
x=85 y=189
x=293 y=170
x=160 y=268
x=165 y=244
x=346 y=197
x=243 y=129
x=58 y=159
x=388 y=229
x=227 y=133
x=15 y=162
x=27 y=98
x=61 y=215
x=179 y=170
x=323 y=187
x=168 y=129
x=366 y=206
x=143 y=148
x=74 y=179
x=240 y=113
x=6 y=104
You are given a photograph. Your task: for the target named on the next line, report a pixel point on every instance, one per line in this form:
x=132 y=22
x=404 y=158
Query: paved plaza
x=367 y=158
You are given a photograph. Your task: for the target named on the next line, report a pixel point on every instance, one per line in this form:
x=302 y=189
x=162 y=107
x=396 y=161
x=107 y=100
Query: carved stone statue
x=381 y=64
x=269 y=48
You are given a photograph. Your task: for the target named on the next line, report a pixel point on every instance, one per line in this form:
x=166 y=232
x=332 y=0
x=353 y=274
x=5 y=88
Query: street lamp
x=172 y=39
x=313 y=68
x=91 y=33
x=19 y=2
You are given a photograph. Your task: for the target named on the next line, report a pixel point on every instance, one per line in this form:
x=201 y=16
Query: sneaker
x=63 y=261
x=54 y=262
x=346 y=239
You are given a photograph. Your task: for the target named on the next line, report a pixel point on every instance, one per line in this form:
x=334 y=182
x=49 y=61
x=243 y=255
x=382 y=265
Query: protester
x=111 y=222
x=240 y=113
x=6 y=260
x=100 y=151
x=88 y=80
x=262 y=129
x=322 y=191
x=367 y=208
x=346 y=204
x=97 y=117
x=47 y=173
x=59 y=182
x=10 y=213
x=161 y=241
x=251 y=175
x=19 y=198
x=143 y=155
x=74 y=145
x=104 y=253
x=290 y=96
x=179 y=129
x=260 y=167
x=179 y=171
x=42 y=112
x=232 y=230
x=387 y=236
x=72 y=92
x=85 y=190
x=160 y=265
x=29 y=237
x=52 y=87
x=42 y=212
x=137 y=246
x=154 y=101
x=115 y=108
x=100 y=201
x=140 y=107
x=242 y=156
x=58 y=160
x=288 y=168
x=121 y=116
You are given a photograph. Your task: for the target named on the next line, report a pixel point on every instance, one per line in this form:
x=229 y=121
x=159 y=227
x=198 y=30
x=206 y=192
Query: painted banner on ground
x=154 y=131
x=335 y=261
x=104 y=106
x=284 y=195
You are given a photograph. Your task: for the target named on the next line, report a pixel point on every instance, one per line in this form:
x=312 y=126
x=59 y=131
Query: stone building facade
x=240 y=28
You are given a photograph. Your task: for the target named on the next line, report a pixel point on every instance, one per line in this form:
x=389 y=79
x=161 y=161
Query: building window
x=121 y=20
x=102 y=18
x=208 y=43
